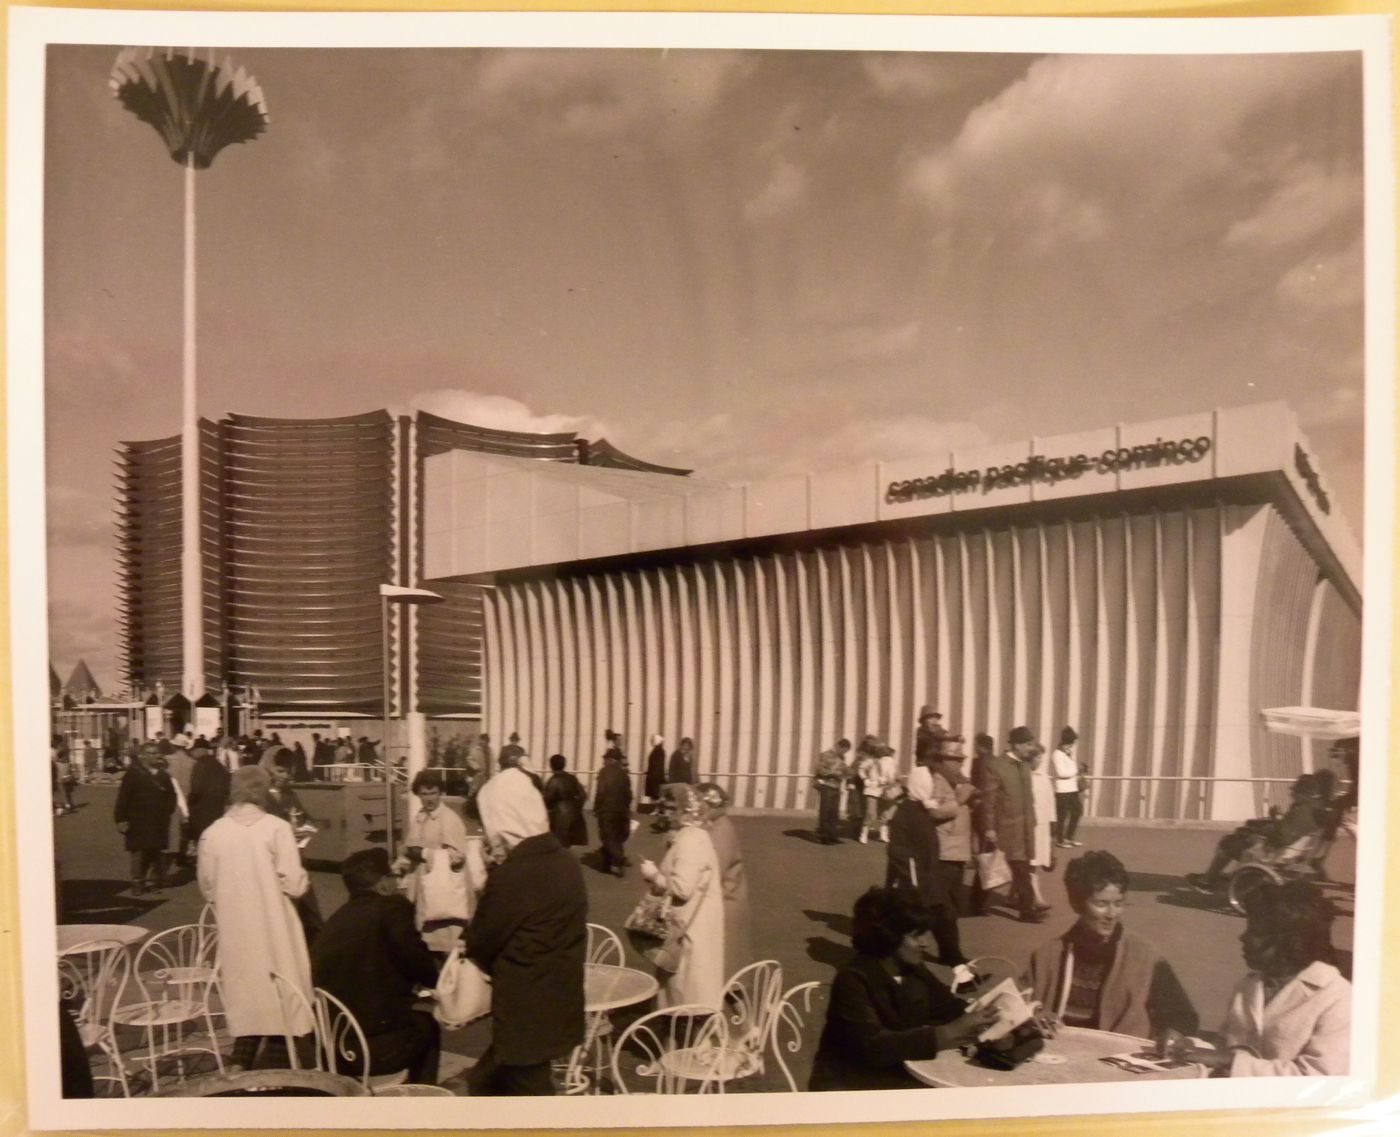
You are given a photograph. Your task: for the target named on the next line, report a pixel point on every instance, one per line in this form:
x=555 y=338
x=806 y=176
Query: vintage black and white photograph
x=816 y=572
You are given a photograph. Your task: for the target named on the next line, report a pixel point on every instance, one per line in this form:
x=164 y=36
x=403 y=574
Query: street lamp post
x=394 y=594
x=198 y=107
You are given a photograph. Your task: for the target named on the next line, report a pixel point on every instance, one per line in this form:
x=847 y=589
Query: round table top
x=607 y=987
x=1072 y=1056
x=71 y=937
x=270 y=1083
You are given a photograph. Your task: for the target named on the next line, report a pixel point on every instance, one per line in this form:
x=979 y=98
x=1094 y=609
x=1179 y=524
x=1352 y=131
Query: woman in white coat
x=689 y=874
x=250 y=869
x=1043 y=799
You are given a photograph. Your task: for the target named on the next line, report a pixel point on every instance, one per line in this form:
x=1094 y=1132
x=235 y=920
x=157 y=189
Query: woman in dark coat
x=886 y=1006
x=529 y=934
x=145 y=803
x=655 y=769
x=564 y=797
x=681 y=771
x=912 y=863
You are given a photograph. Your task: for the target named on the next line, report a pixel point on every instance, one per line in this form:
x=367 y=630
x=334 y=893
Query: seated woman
x=1291 y=1014
x=1099 y=976
x=886 y=1006
x=1265 y=838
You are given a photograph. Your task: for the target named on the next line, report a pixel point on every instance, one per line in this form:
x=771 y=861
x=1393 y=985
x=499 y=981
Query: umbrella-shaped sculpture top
x=197 y=106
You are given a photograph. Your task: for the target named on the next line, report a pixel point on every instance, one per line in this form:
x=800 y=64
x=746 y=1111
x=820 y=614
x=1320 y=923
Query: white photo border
x=31 y=30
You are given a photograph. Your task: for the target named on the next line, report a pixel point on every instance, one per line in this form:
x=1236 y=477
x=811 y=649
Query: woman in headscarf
x=655 y=775
x=735 y=878
x=530 y=936
x=689 y=874
x=250 y=870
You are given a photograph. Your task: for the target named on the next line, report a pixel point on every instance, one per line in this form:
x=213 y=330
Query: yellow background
x=1382 y=1117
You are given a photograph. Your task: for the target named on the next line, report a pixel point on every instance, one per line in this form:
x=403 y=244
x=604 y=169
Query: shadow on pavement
x=1183 y=897
x=822 y=950
x=101 y=902
x=1153 y=882
x=802 y=835
x=838 y=922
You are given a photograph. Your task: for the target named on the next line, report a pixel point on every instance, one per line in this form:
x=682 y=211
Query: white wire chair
x=171 y=978
x=339 y=1042
x=90 y=977
x=750 y=1002
x=796 y=1010
x=604 y=946
x=668 y=1051
x=587 y=1062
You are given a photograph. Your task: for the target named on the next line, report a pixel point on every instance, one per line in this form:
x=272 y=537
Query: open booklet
x=1010 y=1005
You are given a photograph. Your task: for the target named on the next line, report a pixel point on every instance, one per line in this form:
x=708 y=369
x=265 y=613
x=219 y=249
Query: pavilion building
x=1154 y=585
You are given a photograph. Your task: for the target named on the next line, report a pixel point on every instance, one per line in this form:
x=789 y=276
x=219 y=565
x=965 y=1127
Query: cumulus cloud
x=78 y=519
x=84 y=630
x=1084 y=147
x=1307 y=200
x=503 y=413
x=812 y=437
x=1326 y=281
x=601 y=92
x=922 y=76
x=785 y=188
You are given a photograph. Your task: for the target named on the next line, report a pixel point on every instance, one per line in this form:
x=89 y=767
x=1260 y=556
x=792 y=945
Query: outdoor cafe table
x=607 y=987
x=84 y=937
x=1073 y=1056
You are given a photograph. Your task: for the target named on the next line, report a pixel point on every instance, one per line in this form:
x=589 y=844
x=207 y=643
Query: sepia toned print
x=799 y=580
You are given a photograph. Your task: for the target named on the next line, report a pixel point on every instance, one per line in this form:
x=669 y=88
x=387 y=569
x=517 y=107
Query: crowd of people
x=499 y=884
x=1017 y=802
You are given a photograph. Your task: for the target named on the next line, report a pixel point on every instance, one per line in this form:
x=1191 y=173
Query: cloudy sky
x=742 y=262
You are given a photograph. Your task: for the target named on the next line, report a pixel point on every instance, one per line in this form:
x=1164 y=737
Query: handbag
x=992 y=870
x=463 y=991
x=442 y=893
x=651 y=917
x=667 y=955
x=1011 y=1049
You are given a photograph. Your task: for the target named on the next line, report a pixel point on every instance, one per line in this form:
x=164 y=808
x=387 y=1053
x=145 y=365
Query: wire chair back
x=751 y=1001
x=672 y=1051
x=604 y=947
x=797 y=1009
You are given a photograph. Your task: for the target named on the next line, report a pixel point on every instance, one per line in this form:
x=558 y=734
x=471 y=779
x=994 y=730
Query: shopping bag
x=442 y=892
x=651 y=917
x=463 y=991
x=666 y=956
x=992 y=870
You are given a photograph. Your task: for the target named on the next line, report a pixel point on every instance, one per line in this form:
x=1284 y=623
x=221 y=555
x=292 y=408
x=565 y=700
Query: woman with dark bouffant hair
x=1291 y=1013
x=1100 y=976
x=887 y=1007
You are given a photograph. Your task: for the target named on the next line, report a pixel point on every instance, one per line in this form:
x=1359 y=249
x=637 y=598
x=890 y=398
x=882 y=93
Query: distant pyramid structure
x=55 y=684
x=81 y=686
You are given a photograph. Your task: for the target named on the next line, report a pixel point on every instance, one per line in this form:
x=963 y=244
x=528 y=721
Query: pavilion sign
x=1038 y=468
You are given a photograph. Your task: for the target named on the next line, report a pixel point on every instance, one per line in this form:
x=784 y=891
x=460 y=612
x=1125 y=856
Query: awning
x=1312 y=722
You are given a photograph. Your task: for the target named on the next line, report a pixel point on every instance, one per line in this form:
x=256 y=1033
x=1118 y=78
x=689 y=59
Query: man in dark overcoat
x=145 y=803
x=529 y=934
x=208 y=796
x=370 y=956
x=612 y=805
x=1006 y=816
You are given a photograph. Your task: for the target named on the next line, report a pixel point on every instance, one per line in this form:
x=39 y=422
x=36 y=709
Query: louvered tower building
x=301 y=521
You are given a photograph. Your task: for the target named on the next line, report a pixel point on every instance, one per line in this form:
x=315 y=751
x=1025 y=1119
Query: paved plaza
x=801 y=893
